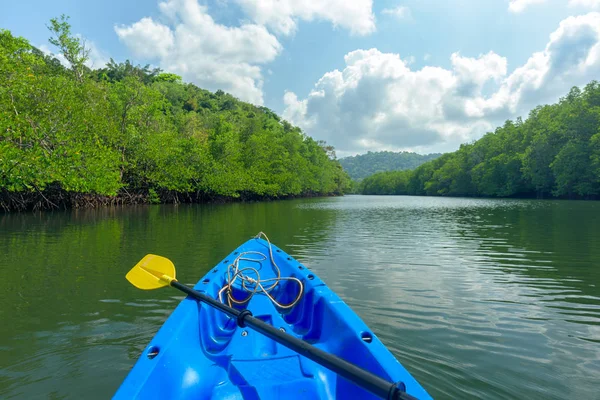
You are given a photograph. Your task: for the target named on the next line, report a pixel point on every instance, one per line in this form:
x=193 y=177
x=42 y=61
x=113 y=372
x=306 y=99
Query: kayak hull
x=200 y=353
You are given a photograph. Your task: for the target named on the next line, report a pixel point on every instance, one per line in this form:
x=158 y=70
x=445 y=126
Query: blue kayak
x=202 y=353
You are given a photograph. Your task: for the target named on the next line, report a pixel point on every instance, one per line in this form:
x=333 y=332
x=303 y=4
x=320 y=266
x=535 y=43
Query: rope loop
x=251 y=281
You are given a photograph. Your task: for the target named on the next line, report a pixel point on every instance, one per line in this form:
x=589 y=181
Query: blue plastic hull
x=203 y=354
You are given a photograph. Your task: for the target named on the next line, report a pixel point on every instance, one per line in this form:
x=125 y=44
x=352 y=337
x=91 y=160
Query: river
x=477 y=298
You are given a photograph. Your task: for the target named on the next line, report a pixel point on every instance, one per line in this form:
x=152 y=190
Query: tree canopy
x=127 y=133
x=554 y=153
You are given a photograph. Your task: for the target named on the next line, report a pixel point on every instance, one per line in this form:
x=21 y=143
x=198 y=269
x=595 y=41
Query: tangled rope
x=256 y=285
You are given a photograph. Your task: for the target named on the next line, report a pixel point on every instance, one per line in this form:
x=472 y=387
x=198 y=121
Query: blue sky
x=423 y=75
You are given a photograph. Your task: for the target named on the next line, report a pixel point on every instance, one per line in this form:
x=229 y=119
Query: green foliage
x=361 y=166
x=129 y=129
x=115 y=72
x=391 y=182
x=168 y=77
x=556 y=152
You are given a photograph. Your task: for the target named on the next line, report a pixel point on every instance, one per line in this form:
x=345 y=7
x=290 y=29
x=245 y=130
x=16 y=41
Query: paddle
x=153 y=272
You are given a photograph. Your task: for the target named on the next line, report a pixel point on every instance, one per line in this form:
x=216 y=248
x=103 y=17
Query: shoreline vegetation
x=555 y=153
x=55 y=198
x=126 y=134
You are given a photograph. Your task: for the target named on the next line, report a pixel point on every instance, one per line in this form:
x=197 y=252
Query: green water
x=494 y=299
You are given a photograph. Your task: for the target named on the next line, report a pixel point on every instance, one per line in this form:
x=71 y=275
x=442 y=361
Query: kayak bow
x=286 y=336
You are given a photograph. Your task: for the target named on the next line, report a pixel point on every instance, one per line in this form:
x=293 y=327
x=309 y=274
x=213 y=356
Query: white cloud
x=147 y=39
x=517 y=6
x=585 y=3
x=473 y=73
x=378 y=103
x=400 y=12
x=571 y=57
x=426 y=57
x=212 y=55
x=296 y=110
x=281 y=16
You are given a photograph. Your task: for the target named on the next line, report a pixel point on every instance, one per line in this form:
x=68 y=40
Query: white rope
x=256 y=285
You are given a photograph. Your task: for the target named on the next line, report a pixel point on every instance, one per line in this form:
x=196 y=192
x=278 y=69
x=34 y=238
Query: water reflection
x=74 y=326
x=478 y=298
x=488 y=298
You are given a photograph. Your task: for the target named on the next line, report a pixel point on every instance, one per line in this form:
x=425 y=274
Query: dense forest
x=554 y=153
x=363 y=165
x=71 y=136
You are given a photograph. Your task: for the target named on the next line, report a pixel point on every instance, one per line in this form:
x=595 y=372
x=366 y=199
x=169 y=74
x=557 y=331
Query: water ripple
x=484 y=305
x=478 y=299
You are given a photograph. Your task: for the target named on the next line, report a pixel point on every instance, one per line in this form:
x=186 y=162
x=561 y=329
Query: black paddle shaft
x=365 y=379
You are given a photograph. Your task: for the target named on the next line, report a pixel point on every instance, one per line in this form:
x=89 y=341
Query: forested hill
x=363 y=165
x=554 y=153
x=129 y=134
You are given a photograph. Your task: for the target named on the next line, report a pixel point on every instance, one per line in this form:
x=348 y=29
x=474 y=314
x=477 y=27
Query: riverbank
x=517 y=196
x=54 y=198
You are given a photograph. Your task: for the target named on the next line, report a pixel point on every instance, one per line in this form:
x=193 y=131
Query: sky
x=415 y=75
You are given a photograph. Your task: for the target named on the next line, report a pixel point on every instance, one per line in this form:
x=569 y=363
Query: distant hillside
x=361 y=166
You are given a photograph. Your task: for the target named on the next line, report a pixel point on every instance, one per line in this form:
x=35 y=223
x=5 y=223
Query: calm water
x=494 y=299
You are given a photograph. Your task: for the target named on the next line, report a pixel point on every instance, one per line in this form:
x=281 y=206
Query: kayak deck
x=201 y=353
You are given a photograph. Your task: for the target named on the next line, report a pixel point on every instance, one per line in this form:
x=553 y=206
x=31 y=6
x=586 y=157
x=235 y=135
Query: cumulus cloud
x=473 y=73
x=378 y=103
x=518 y=6
x=400 y=12
x=281 y=16
x=212 y=55
x=147 y=39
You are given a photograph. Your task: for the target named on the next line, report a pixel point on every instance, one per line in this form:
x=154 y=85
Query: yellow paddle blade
x=152 y=272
